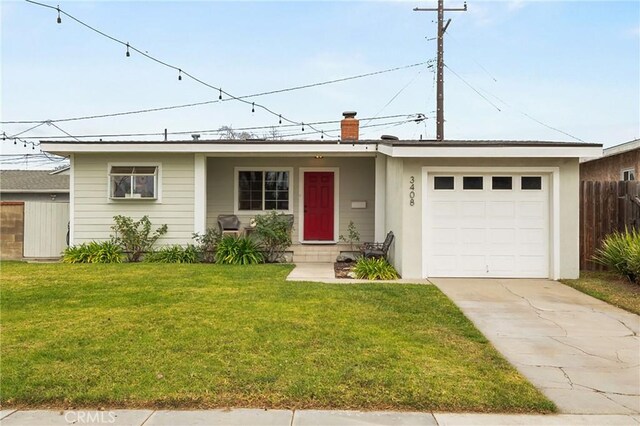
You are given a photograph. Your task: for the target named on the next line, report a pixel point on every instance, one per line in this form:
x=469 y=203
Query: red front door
x=318 y=206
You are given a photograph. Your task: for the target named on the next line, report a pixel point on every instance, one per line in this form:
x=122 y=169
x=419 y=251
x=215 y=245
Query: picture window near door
x=261 y=190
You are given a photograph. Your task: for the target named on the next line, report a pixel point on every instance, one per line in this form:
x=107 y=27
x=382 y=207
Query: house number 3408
x=412 y=191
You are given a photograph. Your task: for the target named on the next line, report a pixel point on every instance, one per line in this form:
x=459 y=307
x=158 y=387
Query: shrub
x=232 y=250
x=273 y=232
x=374 y=269
x=135 y=238
x=94 y=252
x=207 y=244
x=174 y=254
x=353 y=235
x=620 y=252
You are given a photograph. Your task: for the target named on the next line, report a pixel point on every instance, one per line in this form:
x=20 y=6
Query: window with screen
x=133 y=182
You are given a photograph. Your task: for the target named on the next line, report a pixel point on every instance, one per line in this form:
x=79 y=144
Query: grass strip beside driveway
x=202 y=336
x=610 y=288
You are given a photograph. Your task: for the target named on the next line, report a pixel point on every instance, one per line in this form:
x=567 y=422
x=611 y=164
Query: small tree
x=135 y=238
x=273 y=232
x=353 y=235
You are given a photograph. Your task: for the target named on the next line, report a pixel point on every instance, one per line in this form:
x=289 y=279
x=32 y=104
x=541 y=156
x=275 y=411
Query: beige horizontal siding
x=94 y=211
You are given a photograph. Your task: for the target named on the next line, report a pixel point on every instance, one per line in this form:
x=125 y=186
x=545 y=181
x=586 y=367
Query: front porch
x=323 y=193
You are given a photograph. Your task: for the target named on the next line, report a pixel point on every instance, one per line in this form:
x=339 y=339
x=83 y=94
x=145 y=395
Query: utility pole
x=440 y=77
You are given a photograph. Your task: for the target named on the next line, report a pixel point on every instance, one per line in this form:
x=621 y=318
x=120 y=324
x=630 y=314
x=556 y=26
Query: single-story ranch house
x=456 y=208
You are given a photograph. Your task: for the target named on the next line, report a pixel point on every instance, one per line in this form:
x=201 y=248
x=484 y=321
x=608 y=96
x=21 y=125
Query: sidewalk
x=257 y=417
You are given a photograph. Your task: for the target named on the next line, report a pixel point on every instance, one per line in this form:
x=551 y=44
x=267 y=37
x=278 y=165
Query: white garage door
x=487 y=225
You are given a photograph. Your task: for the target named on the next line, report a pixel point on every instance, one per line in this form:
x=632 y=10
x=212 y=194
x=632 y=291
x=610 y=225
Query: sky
x=516 y=70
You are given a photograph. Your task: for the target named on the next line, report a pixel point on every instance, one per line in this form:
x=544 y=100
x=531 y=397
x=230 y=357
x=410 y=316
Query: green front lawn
x=165 y=335
x=609 y=287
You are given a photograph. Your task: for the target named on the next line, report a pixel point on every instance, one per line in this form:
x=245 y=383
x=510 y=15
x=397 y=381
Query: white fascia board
x=34 y=191
x=491 y=151
x=214 y=148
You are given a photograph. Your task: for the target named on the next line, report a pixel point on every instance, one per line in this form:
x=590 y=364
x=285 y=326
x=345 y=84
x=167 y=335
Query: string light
x=59 y=18
x=220 y=95
x=279 y=119
x=145 y=54
x=303 y=127
x=253 y=107
x=128 y=54
x=322 y=135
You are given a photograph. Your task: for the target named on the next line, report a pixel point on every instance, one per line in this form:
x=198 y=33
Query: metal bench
x=378 y=250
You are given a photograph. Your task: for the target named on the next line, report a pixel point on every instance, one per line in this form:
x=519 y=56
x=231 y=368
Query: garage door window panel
x=531 y=183
x=443 y=183
x=473 y=183
x=501 y=183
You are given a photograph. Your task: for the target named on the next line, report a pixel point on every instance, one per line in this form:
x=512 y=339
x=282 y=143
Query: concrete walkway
x=256 y=417
x=323 y=272
x=584 y=354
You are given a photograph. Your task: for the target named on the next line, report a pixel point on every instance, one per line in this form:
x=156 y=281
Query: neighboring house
x=34 y=213
x=35 y=185
x=620 y=162
x=457 y=208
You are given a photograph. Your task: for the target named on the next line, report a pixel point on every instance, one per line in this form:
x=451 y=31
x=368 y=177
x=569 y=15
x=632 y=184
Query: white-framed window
x=133 y=182
x=263 y=189
x=628 y=174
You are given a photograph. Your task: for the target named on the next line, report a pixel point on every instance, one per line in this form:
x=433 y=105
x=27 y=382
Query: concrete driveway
x=583 y=354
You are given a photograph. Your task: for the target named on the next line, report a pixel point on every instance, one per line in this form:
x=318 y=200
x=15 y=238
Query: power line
x=393 y=98
x=28 y=130
x=181 y=72
x=214 y=101
x=473 y=88
x=219 y=130
x=513 y=107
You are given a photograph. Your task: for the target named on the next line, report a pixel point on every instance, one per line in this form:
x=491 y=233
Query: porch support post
x=200 y=194
x=72 y=199
x=381 y=196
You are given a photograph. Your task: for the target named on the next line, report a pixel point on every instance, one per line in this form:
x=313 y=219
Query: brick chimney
x=349 y=126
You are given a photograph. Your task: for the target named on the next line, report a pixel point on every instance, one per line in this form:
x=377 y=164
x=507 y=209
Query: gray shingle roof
x=33 y=181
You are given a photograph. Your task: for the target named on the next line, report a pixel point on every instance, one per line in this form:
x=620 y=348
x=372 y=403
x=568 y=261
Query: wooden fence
x=605 y=207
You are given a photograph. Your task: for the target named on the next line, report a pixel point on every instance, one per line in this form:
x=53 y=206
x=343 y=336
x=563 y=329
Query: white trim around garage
x=554 y=220
x=336 y=202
